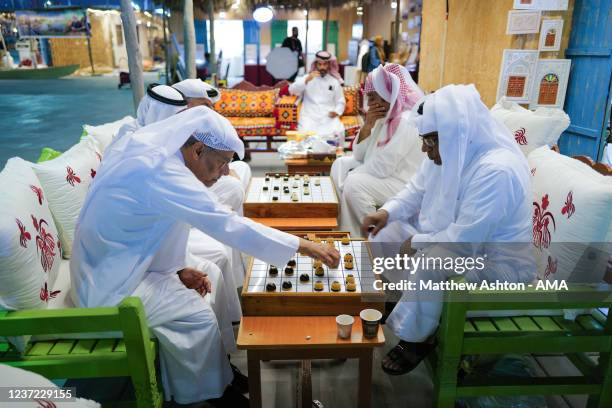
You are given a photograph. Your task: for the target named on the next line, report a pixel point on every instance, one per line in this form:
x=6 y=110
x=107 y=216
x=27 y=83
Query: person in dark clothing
x=295 y=45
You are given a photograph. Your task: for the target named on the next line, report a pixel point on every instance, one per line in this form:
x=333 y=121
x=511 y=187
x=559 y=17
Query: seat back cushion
x=572 y=216
x=351 y=95
x=531 y=129
x=29 y=243
x=65 y=181
x=236 y=102
x=103 y=135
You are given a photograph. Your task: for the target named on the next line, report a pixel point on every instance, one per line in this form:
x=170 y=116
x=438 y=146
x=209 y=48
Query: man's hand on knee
x=196 y=280
x=372 y=223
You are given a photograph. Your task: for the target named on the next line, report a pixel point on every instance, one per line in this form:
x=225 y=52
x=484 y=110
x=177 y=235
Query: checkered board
x=362 y=272
x=322 y=193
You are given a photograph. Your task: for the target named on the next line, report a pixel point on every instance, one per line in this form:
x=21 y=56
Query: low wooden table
x=304 y=338
x=300 y=224
x=297 y=166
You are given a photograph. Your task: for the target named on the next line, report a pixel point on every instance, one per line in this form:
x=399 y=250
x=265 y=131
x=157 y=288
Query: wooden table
x=304 y=338
x=299 y=224
x=307 y=166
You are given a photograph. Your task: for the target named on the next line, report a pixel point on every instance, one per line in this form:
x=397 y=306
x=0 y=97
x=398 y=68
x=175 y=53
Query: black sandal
x=407 y=356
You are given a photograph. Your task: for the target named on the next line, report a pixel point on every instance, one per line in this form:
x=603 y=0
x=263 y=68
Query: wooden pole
x=91 y=62
x=396 y=34
x=166 y=47
x=326 y=34
x=133 y=51
x=212 y=62
x=189 y=39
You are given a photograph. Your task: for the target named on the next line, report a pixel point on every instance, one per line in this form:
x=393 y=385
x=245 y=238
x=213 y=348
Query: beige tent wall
x=475 y=41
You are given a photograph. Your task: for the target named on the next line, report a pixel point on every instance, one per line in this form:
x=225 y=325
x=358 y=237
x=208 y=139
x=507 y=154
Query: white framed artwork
x=541 y=4
x=523 y=22
x=550 y=83
x=550 y=35
x=516 y=75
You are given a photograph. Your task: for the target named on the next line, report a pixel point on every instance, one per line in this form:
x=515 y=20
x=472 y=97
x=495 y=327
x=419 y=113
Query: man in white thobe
x=131 y=241
x=387 y=151
x=322 y=97
x=472 y=197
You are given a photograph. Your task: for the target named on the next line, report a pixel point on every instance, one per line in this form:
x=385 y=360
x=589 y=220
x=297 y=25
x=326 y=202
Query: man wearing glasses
x=473 y=191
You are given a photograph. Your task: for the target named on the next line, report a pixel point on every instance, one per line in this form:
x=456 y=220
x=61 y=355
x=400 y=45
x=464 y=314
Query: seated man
x=230 y=189
x=474 y=189
x=386 y=153
x=131 y=240
x=322 y=97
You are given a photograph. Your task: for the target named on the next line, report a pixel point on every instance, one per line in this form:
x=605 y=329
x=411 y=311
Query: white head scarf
x=151 y=145
x=196 y=88
x=151 y=110
x=466 y=131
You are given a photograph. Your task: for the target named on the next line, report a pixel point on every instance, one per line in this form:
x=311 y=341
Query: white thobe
x=607 y=155
x=374 y=173
x=121 y=230
x=493 y=208
x=320 y=96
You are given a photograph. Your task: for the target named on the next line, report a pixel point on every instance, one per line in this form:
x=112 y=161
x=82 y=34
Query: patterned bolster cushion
x=286 y=112
x=351 y=94
x=251 y=104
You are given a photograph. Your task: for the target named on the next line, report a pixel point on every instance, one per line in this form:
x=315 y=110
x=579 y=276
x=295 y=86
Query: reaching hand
x=327 y=254
x=372 y=223
x=194 y=279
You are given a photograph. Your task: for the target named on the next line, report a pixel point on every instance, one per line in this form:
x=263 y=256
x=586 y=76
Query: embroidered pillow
x=351 y=95
x=65 y=181
x=235 y=102
x=531 y=129
x=29 y=243
x=103 y=135
x=572 y=217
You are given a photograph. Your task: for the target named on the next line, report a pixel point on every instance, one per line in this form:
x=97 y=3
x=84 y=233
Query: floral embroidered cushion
x=29 y=242
x=351 y=95
x=572 y=217
x=531 y=129
x=103 y=135
x=65 y=182
x=236 y=102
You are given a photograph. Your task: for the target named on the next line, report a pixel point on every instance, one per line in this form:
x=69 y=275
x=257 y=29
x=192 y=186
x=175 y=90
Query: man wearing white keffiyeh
x=386 y=153
x=474 y=190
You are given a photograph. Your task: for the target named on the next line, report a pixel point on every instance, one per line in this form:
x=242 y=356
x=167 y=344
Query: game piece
x=285 y=178
x=304 y=277
x=306 y=191
x=277 y=175
x=330 y=242
x=317 y=182
x=273 y=270
x=348 y=264
x=335 y=286
x=346 y=240
x=317 y=263
x=294 y=197
x=287 y=285
x=267 y=178
x=265 y=188
x=319 y=271
x=289 y=271
x=292 y=263
x=270 y=287
x=295 y=185
x=274 y=198
x=348 y=257
x=276 y=188
x=306 y=178
x=349 y=279
x=317 y=240
x=285 y=190
x=318 y=286
x=351 y=287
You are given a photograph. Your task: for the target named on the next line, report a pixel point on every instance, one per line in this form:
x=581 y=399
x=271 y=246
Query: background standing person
x=295 y=45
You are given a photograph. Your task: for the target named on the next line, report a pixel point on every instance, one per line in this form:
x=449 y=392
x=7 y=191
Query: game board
x=302 y=298
x=291 y=196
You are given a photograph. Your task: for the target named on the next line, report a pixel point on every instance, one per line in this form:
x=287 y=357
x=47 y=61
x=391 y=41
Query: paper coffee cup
x=345 y=325
x=370 y=320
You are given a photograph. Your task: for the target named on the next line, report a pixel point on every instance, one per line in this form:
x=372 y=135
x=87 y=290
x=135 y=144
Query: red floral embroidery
x=45 y=244
x=45 y=295
x=45 y=403
x=71 y=178
x=551 y=268
x=541 y=220
x=93 y=173
x=569 y=208
x=24 y=236
x=519 y=136
x=39 y=193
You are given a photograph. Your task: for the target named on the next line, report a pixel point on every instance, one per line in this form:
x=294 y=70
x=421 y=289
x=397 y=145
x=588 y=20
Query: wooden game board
x=321 y=202
x=302 y=299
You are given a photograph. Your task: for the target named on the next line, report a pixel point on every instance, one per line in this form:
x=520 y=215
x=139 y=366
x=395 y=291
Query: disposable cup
x=370 y=320
x=345 y=325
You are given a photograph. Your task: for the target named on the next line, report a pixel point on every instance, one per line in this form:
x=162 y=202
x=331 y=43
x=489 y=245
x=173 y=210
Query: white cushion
x=66 y=180
x=61 y=288
x=531 y=129
x=103 y=135
x=572 y=217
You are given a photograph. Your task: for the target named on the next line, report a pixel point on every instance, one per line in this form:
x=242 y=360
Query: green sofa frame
x=460 y=335
x=132 y=356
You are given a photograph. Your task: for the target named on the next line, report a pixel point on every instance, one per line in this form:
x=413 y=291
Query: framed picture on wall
x=516 y=75
x=550 y=83
x=550 y=35
x=541 y=4
x=523 y=22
